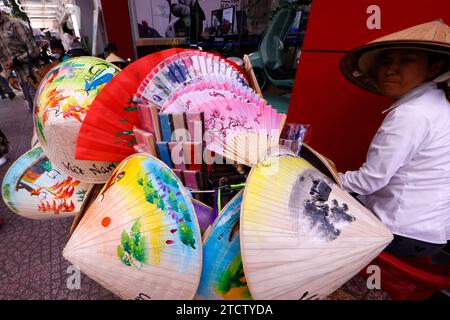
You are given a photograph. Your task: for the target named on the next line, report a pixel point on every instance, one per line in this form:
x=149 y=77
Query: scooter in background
x=267 y=62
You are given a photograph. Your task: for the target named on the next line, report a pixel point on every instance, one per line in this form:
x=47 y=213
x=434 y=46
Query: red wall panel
x=341 y=25
x=118 y=26
x=343 y=117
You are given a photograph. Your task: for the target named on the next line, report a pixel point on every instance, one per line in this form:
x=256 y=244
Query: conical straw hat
x=432 y=36
x=140 y=238
x=62 y=101
x=34 y=188
x=222 y=274
x=114 y=58
x=302 y=237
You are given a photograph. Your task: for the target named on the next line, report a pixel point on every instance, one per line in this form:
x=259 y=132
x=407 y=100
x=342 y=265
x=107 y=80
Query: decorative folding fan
x=181 y=69
x=240 y=131
x=202 y=91
x=302 y=237
x=140 y=238
x=62 y=101
x=36 y=189
x=222 y=275
x=106 y=130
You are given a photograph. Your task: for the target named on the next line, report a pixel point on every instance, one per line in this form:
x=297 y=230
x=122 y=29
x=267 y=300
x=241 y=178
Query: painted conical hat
x=432 y=36
x=62 y=101
x=140 y=237
x=302 y=237
x=222 y=274
x=320 y=162
x=34 y=188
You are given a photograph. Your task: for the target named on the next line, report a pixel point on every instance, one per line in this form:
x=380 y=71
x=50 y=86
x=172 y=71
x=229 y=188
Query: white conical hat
x=140 y=237
x=34 y=188
x=302 y=237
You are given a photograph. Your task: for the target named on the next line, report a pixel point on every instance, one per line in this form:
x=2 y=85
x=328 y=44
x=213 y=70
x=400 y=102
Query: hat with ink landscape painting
x=303 y=237
x=433 y=37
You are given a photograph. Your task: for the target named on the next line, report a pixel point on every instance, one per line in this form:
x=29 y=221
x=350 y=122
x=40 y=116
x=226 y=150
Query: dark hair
x=434 y=57
x=66 y=29
x=110 y=47
x=56 y=44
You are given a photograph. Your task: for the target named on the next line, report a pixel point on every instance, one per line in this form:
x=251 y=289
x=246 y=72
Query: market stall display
x=140 y=237
x=222 y=274
x=302 y=237
x=34 y=188
x=62 y=102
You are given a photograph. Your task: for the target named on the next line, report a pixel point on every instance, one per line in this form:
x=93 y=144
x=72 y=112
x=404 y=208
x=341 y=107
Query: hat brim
x=356 y=64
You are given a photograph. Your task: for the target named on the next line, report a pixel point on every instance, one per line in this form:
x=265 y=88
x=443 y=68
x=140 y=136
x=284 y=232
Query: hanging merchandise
x=302 y=237
x=140 y=238
x=240 y=131
x=62 y=102
x=34 y=188
x=209 y=88
x=187 y=67
x=107 y=130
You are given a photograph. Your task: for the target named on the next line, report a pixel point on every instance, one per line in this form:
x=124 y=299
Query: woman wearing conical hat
x=405 y=180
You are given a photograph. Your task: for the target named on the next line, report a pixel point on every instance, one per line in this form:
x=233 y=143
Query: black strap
x=30 y=69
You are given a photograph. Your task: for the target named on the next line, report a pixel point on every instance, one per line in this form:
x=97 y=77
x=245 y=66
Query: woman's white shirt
x=69 y=42
x=405 y=180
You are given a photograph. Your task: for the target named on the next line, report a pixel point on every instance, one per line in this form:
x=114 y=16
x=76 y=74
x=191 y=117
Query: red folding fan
x=106 y=132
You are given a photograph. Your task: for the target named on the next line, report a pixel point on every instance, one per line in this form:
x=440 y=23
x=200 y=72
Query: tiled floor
x=31 y=263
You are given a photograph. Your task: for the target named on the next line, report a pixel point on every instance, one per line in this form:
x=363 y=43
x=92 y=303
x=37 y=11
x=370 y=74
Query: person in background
x=116 y=60
x=145 y=31
x=5 y=87
x=18 y=52
x=110 y=55
x=405 y=180
x=68 y=38
x=4 y=149
x=191 y=17
x=110 y=48
x=58 y=51
x=71 y=43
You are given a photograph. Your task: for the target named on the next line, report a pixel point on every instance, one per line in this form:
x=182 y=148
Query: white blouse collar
x=414 y=93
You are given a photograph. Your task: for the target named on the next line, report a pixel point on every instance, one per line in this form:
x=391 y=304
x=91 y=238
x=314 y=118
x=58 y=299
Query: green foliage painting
x=232 y=278
x=7 y=196
x=162 y=190
x=133 y=251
